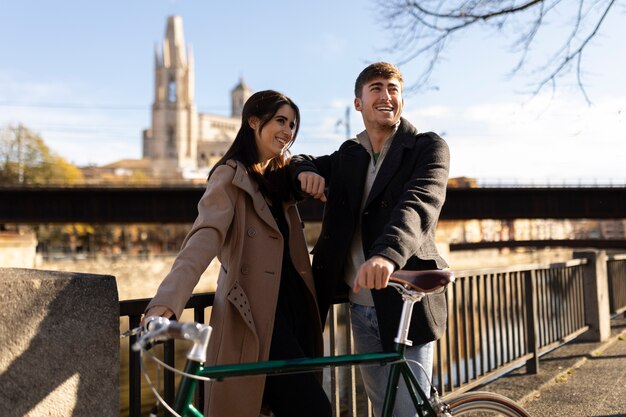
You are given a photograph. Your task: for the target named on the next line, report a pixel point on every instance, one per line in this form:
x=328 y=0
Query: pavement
x=578 y=379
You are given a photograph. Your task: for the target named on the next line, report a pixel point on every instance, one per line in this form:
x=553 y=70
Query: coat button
x=245 y=269
x=252 y=232
x=384 y=204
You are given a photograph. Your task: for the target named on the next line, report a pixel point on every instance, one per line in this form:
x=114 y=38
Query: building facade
x=182 y=143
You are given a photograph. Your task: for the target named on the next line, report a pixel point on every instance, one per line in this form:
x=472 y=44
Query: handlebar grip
x=177 y=330
x=158 y=329
x=154 y=323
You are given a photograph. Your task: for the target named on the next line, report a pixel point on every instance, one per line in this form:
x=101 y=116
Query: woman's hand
x=312 y=184
x=158 y=311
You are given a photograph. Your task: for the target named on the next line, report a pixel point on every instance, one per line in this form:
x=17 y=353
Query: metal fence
x=499 y=319
x=133 y=310
x=616 y=272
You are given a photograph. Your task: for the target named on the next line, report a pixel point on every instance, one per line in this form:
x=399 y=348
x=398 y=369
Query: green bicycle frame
x=398 y=366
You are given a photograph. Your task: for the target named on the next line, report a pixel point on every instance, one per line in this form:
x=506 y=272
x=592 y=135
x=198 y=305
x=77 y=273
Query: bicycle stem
x=200 y=344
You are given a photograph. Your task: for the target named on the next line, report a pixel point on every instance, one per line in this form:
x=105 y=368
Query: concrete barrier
x=596 y=289
x=59 y=344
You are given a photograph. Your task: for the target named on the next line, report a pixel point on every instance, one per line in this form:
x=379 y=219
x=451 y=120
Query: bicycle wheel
x=484 y=404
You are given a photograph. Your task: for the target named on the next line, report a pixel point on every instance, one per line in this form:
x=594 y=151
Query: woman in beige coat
x=265 y=305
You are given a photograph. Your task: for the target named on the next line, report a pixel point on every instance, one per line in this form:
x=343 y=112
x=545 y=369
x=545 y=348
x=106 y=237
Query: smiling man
x=386 y=188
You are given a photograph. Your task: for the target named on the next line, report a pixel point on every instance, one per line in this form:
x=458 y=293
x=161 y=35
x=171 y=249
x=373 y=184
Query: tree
x=25 y=159
x=423 y=28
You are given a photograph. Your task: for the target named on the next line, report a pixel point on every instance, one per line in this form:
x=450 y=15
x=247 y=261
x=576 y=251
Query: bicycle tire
x=484 y=404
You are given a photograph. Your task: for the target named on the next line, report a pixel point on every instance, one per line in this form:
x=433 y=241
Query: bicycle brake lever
x=151 y=332
x=131 y=332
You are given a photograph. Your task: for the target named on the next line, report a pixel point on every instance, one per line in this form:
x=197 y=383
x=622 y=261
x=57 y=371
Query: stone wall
x=17 y=250
x=59 y=338
x=136 y=276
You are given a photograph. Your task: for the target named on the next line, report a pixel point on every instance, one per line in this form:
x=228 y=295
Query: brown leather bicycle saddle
x=423 y=281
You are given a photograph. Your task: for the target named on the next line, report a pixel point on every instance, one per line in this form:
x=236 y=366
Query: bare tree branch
x=422 y=29
x=578 y=52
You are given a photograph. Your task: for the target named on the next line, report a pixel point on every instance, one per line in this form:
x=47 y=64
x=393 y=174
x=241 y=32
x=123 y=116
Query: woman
x=265 y=305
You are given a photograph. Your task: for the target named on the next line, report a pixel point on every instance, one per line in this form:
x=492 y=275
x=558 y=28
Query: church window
x=171 y=91
x=171 y=143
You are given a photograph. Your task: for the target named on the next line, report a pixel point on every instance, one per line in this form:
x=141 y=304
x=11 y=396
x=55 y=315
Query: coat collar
x=243 y=181
x=403 y=140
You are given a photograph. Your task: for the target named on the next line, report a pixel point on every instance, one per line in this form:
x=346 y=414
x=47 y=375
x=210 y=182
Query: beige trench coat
x=235 y=224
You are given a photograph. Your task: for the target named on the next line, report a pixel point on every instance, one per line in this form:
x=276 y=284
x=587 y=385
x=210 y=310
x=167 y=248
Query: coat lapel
x=405 y=139
x=243 y=181
x=355 y=162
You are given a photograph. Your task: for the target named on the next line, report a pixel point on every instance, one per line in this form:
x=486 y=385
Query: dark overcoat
x=398 y=222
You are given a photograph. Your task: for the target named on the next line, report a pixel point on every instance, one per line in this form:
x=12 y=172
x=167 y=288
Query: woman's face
x=272 y=140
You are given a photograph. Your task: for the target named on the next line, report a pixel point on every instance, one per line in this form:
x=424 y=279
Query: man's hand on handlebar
x=374 y=273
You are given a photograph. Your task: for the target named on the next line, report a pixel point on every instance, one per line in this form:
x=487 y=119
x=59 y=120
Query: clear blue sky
x=80 y=73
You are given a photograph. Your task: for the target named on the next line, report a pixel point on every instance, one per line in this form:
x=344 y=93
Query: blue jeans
x=367 y=339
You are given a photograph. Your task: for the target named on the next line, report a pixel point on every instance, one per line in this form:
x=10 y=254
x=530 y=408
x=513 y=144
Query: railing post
x=532 y=325
x=334 y=372
x=134 y=383
x=350 y=371
x=198 y=317
x=596 y=289
x=169 y=382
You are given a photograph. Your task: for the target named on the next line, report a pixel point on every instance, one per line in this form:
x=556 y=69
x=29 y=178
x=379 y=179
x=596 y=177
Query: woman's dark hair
x=262 y=105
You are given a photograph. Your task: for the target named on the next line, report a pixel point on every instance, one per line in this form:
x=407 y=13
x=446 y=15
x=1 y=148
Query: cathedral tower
x=239 y=95
x=182 y=143
x=172 y=141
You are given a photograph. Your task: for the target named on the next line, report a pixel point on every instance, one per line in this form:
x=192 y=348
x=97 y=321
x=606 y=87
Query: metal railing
x=616 y=272
x=502 y=318
x=133 y=310
x=499 y=319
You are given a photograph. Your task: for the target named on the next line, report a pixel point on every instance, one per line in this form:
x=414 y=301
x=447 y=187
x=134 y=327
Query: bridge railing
x=499 y=319
x=616 y=273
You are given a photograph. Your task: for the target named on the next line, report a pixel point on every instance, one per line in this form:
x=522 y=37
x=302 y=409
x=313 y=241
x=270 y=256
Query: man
x=386 y=190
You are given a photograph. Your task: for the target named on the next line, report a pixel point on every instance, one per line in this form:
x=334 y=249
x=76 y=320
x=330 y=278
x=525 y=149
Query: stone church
x=182 y=143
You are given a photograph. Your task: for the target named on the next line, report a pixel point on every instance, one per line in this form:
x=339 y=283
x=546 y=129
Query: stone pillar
x=59 y=344
x=596 y=288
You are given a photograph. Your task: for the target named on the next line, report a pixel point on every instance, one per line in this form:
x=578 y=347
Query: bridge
x=177 y=204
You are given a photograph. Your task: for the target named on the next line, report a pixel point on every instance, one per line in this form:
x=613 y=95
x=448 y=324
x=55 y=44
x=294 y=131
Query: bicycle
x=412 y=286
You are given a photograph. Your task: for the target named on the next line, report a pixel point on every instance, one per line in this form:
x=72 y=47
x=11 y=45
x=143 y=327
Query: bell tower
x=172 y=141
x=238 y=96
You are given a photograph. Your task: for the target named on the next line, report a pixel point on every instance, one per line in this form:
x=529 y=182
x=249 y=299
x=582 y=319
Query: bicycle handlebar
x=411 y=284
x=159 y=329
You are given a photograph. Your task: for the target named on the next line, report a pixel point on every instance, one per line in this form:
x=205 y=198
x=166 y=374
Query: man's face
x=381 y=103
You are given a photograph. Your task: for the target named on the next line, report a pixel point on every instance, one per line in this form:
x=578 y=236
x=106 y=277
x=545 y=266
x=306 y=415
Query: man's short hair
x=376 y=70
